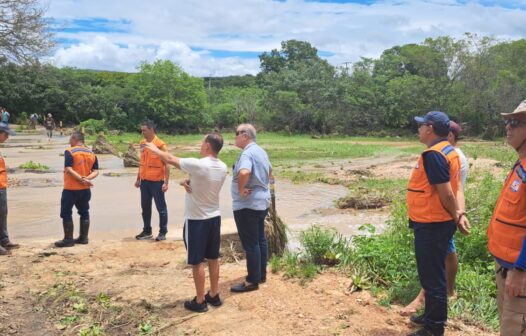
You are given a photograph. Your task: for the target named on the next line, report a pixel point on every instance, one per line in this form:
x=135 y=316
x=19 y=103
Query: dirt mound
x=131 y=158
x=366 y=201
x=103 y=146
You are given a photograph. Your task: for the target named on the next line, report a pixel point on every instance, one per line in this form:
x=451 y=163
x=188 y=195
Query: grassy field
x=283 y=149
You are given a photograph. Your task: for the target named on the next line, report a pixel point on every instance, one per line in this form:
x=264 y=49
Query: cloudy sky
x=225 y=37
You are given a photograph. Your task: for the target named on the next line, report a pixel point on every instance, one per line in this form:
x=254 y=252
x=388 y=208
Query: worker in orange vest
x=152 y=179
x=80 y=168
x=5 y=243
x=507 y=232
x=435 y=204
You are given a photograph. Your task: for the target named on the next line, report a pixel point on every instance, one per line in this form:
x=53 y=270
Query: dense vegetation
x=296 y=91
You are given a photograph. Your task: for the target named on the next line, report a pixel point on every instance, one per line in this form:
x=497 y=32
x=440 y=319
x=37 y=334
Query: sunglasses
x=240 y=132
x=513 y=122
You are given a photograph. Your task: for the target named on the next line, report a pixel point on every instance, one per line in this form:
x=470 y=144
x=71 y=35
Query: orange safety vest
x=152 y=167
x=507 y=228
x=83 y=160
x=3 y=173
x=423 y=201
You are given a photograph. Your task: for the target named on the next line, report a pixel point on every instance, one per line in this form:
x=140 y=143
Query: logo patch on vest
x=515 y=185
x=417 y=166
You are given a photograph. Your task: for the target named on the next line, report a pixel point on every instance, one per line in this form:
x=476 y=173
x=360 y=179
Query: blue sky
x=225 y=37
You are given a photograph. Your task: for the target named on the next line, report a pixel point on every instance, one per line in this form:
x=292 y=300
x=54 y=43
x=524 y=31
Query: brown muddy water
x=34 y=198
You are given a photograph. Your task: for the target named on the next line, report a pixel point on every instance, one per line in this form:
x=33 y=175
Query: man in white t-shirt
x=202 y=228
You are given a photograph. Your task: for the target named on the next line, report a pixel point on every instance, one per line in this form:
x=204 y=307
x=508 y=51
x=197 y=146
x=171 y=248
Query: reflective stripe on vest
x=152 y=167
x=83 y=160
x=3 y=173
x=423 y=201
x=507 y=228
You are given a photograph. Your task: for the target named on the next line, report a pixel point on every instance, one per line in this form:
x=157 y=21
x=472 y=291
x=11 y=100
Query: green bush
x=294 y=266
x=22 y=119
x=323 y=246
x=94 y=126
x=33 y=166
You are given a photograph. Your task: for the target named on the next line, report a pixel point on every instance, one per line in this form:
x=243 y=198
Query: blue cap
x=439 y=120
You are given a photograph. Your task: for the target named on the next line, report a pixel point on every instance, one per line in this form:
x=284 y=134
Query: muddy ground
x=125 y=287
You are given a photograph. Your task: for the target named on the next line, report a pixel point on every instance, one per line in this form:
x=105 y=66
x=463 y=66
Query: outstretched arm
x=165 y=156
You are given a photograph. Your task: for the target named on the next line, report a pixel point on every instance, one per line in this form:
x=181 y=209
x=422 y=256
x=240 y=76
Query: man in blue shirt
x=251 y=199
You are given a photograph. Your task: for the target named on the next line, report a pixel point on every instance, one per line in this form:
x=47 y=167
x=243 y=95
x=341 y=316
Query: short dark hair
x=78 y=135
x=215 y=140
x=441 y=131
x=150 y=124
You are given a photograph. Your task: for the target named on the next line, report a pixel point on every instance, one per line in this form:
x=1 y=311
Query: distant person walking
x=5 y=243
x=435 y=204
x=49 y=124
x=452 y=256
x=33 y=119
x=80 y=168
x=507 y=232
x=5 y=116
x=251 y=199
x=202 y=227
x=152 y=179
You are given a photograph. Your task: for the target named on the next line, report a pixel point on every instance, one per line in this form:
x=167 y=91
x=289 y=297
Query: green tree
x=169 y=96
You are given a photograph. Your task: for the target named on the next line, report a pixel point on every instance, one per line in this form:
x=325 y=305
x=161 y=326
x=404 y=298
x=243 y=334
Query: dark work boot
x=68 y=236
x=4 y=251
x=84 y=229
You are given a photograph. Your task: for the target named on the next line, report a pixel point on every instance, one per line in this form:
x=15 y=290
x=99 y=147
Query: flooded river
x=34 y=198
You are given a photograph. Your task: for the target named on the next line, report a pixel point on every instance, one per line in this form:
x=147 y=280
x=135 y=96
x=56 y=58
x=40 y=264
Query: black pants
x=251 y=229
x=78 y=198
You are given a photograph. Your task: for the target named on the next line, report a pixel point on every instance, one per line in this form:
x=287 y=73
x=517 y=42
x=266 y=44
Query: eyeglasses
x=513 y=123
x=423 y=124
x=240 y=132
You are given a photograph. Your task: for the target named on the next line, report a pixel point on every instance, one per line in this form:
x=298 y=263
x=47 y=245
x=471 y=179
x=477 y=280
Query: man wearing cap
x=435 y=205
x=452 y=256
x=5 y=243
x=507 y=232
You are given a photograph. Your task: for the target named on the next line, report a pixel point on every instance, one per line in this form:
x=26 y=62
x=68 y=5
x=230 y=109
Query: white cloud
x=175 y=29
x=100 y=53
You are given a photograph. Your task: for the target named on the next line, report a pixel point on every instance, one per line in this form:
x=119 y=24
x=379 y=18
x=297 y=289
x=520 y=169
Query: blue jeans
x=432 y=242
x=78 y=198
x=149 y=190
x=251 y=229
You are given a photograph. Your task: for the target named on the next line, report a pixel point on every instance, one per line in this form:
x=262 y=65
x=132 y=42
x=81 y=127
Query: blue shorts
x=451 y=247
x=202 y=239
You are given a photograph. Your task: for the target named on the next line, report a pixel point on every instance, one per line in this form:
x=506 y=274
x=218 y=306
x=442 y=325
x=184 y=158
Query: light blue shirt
x=254 y=159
